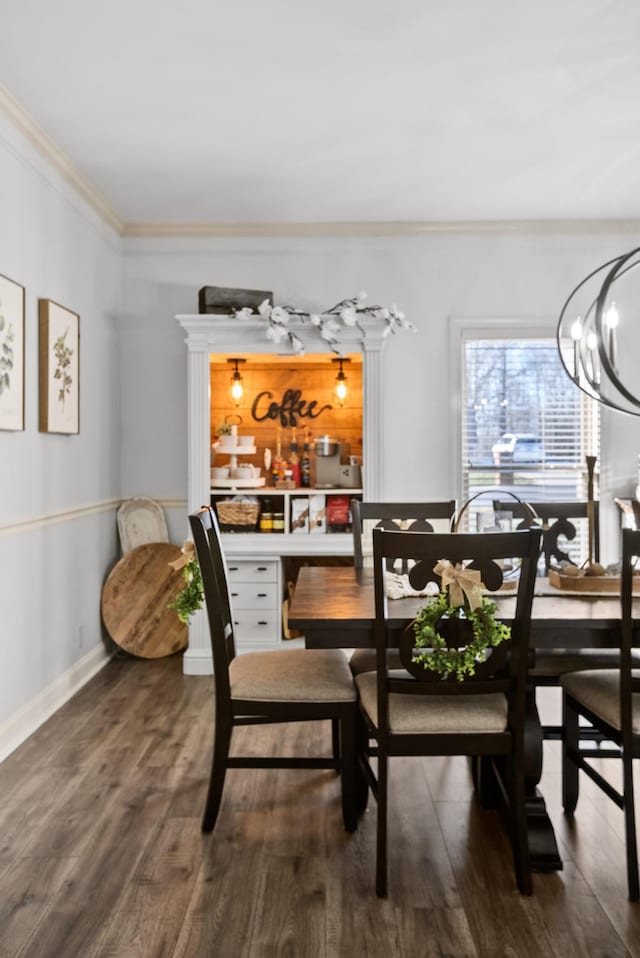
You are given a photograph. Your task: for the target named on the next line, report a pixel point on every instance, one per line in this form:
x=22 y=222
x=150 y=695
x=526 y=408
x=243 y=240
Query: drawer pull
x=260 y=622
x=262 y=568
x=234 y=595
x=234 y=568
x=261 y=595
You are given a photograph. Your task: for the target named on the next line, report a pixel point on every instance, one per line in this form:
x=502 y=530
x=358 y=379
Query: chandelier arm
x=611 y=278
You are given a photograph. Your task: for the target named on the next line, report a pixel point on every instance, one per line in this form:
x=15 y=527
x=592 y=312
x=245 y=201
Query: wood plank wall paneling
x=316 y=380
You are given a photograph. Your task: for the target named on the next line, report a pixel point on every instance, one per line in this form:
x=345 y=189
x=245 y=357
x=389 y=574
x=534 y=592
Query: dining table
x=334 y=607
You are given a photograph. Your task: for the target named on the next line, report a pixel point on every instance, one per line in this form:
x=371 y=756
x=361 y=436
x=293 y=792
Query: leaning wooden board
x=135 y=599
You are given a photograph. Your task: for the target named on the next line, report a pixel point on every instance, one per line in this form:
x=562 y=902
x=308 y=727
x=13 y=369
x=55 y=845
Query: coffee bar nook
x=279 y=442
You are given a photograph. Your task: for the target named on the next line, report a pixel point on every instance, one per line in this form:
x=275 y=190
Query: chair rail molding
x=207 y=334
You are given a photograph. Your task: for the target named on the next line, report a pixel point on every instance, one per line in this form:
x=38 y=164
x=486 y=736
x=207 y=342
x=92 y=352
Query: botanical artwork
x=11 y=355
x=59 y=368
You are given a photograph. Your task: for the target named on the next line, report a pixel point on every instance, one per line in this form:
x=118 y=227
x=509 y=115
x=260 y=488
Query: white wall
x=57 y=493
x=432 y=277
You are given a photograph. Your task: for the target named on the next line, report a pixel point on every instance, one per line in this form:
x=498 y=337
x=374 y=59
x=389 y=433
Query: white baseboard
x=16 y=729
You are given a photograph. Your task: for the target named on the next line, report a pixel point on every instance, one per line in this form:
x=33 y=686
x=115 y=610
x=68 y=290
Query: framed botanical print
x=11 y=354
x=59 y=349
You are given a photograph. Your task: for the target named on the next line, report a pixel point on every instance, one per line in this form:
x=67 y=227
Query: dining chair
x=610 y=700
x=405 y=516
x=396 y=516
x=271 y=686
x=558 y=519
x=416 y=711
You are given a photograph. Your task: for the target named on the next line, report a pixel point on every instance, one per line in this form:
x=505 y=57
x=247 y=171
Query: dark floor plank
x=101 y=854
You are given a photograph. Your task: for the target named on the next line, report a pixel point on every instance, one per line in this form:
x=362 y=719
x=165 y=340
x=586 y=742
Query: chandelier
x=589 y=327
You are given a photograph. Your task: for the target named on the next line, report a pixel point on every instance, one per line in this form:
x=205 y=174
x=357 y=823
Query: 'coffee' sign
x=288 y=411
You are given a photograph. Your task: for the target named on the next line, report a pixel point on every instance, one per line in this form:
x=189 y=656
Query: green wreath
x=437 y=656
x=191 y=596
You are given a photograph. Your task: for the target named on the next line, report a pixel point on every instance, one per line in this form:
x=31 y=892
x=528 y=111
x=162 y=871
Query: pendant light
x=587 y=333
x=237 y=389
x=340 y=391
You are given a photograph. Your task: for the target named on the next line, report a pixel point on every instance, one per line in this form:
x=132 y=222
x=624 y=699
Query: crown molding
x=373 y=229
x=60 y=162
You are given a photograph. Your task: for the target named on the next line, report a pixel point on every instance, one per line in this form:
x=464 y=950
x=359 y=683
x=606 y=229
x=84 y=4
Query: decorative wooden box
x=221 y=299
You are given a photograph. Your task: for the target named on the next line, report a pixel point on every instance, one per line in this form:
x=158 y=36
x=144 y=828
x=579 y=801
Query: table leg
x=543 y=847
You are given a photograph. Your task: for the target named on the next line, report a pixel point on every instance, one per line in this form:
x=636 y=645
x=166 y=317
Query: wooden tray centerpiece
x=589 y=583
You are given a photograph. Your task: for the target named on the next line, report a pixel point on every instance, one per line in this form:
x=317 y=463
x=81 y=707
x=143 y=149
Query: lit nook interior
x=288 y=398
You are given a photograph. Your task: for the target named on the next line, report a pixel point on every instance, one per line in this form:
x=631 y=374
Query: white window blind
x=526 y=427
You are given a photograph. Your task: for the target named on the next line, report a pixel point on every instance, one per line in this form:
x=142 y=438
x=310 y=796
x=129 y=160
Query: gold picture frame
x=59 y=368
x=11 y=355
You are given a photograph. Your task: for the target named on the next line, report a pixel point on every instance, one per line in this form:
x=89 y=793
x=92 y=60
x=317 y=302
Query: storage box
x=317 y=514
x=299 y=514
x=222 y=299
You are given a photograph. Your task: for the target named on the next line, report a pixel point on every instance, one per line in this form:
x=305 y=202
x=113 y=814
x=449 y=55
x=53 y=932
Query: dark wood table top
x=341 y=599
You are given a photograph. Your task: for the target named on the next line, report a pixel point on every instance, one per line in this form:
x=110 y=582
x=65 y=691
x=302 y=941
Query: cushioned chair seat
x=437 y=714
x=364 y=660
x=292 y=675
x=552 y=662
x=599 y=691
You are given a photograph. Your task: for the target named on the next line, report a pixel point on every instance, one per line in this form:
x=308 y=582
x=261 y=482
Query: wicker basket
x=238 y=516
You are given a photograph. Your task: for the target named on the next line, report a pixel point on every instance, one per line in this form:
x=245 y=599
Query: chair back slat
x=398 y=516
x=628 y=684
x=206 y=539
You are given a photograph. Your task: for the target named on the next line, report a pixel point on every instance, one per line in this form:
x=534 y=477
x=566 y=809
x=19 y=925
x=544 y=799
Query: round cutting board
x=135 y=599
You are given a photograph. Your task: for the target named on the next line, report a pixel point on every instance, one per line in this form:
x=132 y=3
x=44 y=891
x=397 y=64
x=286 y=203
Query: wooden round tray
x=135 y=599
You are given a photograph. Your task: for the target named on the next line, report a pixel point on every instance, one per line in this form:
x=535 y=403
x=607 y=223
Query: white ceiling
x=340 y=111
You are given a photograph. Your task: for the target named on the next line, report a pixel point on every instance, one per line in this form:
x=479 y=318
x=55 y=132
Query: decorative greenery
x=487 y=633
x=191 y=597
x=329 y=323
x=63 y=356
x=6 y=355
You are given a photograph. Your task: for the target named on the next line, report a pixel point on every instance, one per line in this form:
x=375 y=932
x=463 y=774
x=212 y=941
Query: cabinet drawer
x=254 y=595
x=252 y=570
x=256 y=627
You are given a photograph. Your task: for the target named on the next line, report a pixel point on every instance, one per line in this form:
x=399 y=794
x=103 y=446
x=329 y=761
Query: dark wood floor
x=101 y=852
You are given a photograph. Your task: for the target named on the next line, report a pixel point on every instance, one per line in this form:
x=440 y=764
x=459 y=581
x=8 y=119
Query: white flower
x=276 y=333
x=245 y=313
x=331 y=325
x=297 y=344
x=362 y=296
x=265 y=308
x=315 y=318
x=279 y=315
x=348 y=316
x=328 y=334
x=383 y=313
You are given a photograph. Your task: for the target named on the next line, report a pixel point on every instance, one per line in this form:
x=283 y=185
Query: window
x=526 y=428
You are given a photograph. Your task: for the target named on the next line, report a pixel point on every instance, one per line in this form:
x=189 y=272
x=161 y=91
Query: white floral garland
x=329 y=323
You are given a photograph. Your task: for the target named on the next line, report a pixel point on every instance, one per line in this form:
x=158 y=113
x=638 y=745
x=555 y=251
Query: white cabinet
x=256 y=601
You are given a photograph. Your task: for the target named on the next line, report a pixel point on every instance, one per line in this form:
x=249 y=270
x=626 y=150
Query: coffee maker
x=328 y=462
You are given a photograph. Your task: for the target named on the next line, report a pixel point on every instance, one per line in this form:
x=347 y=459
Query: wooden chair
x=404 y=516
x=610 y=700
x=415 y=711
x=256 y=688
x=551 y=664
x=556 y=521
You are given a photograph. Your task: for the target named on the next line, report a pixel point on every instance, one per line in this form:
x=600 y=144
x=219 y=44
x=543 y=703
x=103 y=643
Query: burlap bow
x=188 y=552
x=461 y=582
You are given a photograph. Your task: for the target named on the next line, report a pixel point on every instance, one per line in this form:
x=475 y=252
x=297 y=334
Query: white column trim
x=214 y=333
